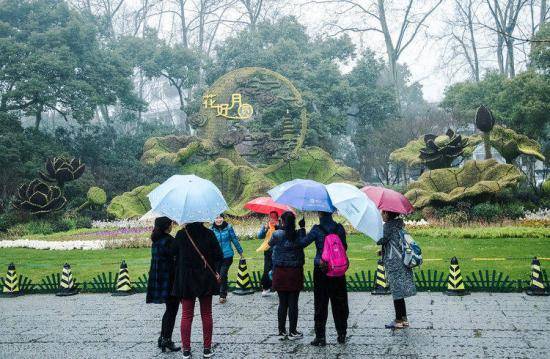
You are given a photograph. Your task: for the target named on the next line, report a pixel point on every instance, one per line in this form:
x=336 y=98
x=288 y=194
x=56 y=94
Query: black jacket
x=286 y=253
x=318 y=233
x=162 y=270
x=194 y=279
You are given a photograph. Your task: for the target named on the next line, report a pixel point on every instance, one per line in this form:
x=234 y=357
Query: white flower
x=53 y=245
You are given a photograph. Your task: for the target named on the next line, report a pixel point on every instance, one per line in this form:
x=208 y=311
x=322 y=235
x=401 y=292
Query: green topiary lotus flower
x=511 y=144
x=441 y=151
x=435 y=152
x=96 y=196
x=449 y=185
x=36 y=197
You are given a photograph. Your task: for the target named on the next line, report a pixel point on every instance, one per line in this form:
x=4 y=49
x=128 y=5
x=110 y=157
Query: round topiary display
x=36 y=197
x=96 y=196
x=274 y=114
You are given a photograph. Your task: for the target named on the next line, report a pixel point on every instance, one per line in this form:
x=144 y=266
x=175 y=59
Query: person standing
x=197 y=253
x=161 y=280
x=400 y=277
x=225 y=234
x=265 y=234
x=327 y=288
x=288 y=274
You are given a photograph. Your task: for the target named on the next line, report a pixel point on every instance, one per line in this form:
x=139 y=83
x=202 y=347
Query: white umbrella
x=187 y=198
x=357 y=208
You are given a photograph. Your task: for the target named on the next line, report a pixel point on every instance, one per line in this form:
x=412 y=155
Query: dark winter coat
x=286 y=253
x=162 y=270
x=194 y=279
x=318 y=232
x=400 y=278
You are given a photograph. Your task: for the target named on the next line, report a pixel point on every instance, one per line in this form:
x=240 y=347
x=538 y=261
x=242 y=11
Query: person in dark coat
x=288 y=274
x=196 y=278
x=327 y=288
x=161 y=280
x=400 y=278
x=227 y=239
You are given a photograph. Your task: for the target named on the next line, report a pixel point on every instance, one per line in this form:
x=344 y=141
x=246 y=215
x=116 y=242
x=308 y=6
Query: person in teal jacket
x=226 y=236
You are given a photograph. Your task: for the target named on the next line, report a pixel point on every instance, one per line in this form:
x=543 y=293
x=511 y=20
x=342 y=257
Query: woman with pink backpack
x=329 y=281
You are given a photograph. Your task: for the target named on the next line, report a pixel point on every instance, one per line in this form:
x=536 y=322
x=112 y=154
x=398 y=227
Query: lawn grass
x=512 y=256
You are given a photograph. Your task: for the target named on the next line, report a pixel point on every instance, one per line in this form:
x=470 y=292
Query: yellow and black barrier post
x=536 y=286
x=380 y=281
x=244 y=283
x=455 y=283
x=66 y=284
x=123 y=283
x=11 y=283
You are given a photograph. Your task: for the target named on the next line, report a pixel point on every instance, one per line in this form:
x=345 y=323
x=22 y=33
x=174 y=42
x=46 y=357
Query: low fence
x=426 y=280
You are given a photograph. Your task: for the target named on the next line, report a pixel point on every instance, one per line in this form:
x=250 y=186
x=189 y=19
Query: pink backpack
x=334 y=254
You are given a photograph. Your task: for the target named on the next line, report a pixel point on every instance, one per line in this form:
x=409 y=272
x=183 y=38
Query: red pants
x=188 y=309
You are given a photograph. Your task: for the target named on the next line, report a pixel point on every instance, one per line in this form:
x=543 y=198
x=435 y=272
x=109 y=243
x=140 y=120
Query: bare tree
x=505 y=14
x=399 y=25
x=462 y=36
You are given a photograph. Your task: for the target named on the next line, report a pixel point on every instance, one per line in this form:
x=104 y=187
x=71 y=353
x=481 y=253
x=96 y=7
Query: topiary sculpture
x=485 y=123
x=95 y=197
x=475 y=179
x=441 y=151
x=511 y=144
x=61 y=170
x=36 y=198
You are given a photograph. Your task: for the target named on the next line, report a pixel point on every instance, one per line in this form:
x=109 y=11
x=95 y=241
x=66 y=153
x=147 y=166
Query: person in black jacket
x=197 y=252
x=327 y=288
x=288 y=274
x=161 y=280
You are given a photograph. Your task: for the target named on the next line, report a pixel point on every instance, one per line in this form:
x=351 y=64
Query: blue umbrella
x=305 y=195
x=187 y=199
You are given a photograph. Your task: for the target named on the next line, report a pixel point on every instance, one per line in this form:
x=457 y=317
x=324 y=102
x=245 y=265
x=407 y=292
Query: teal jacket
x=226 y=235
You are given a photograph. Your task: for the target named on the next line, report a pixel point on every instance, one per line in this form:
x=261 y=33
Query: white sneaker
x=266 y=293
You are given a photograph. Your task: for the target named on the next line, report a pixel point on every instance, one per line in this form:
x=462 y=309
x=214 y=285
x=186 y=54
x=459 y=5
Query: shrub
x=415 y=216
x=83 y=222
x=486 y=212
x=456 y=218
x=512 y=210
x=39 y=227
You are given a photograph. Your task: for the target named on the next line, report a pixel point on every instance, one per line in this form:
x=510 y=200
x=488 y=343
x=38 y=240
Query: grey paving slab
x=480 y=325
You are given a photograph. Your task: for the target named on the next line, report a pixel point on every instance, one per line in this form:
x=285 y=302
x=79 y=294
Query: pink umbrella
x=388 y=200
x=266 y=205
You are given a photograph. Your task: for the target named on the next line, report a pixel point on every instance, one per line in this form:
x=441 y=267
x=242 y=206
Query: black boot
x=168 y=345
x=319 y=342
x=341 y=339
x=160 y=342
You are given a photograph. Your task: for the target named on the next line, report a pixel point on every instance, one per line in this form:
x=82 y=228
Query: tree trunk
x=510 y=58
x=473 y=42
x=487 y=144
x=38 y=118
x=184 y=41
x=500 y=56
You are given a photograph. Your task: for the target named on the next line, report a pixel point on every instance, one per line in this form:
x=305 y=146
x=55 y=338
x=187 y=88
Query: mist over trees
x=96 y=78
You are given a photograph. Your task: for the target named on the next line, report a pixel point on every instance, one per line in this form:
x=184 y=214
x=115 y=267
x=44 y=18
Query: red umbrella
x=388 y=200
x=265 y=205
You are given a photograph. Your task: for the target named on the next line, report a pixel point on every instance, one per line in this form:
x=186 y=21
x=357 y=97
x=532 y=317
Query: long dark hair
x=161 y=225
x=288 y=220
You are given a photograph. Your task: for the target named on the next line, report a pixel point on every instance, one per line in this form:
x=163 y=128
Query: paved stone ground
x=101 y=326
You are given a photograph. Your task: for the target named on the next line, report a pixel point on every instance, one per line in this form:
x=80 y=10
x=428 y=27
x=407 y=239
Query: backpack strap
x=206 y=264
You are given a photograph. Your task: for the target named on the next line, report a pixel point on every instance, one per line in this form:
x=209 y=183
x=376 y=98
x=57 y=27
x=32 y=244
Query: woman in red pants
x=197 y=253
